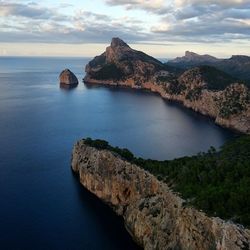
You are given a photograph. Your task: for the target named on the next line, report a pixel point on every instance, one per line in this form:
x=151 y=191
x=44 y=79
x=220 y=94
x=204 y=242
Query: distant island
x=201 y=84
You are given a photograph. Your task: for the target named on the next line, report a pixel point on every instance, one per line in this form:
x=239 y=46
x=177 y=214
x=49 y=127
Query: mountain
x=192 y=58
x=237 y=66
x=121 y=63
x=205 y=89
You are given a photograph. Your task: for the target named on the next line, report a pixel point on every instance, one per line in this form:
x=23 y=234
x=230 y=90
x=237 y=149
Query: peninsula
x=155 y=215
x=205 y=89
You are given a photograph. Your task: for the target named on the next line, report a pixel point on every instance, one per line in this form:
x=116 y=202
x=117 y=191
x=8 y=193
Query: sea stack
x=68 y=78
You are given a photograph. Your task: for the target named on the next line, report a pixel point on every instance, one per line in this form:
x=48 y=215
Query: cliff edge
x=205 y=89
x=153 y=214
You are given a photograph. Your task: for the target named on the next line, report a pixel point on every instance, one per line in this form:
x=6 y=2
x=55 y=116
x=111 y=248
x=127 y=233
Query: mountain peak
x=194 y=58
x=117 y=42
x=190 y=53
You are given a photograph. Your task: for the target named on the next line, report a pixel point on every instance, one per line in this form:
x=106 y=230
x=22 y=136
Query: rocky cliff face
x=68 y=78
x=155 y=216
x=204 y=89
x=121 y=64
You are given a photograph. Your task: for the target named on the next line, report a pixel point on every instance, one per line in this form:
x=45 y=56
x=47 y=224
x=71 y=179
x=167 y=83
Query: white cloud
x=173 y=20
x=205 y=21
x=156 y=6
x=35 y=23
x=30 y=10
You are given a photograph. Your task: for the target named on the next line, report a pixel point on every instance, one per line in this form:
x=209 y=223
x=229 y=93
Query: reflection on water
x=68 y=86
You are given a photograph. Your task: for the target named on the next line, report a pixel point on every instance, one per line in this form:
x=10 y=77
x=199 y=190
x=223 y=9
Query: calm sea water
x=43 y=206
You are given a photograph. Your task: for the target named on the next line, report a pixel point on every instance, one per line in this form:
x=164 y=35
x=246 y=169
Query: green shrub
x=108 y=72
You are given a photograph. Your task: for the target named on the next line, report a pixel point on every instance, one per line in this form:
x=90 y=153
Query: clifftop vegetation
x=216 y=182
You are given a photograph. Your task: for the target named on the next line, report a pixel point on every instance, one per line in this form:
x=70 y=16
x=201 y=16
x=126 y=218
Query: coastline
x=155 y=216
x=158 y=90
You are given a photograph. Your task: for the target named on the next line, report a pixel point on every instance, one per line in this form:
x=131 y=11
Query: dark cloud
x=219 y=4
x=192 y=11
x=205 y=30
x=210 y=21
x=221 y=8
x=83 y=27
x=195 y=20
x=89 y=35
x=238 y=13
x=31 y=10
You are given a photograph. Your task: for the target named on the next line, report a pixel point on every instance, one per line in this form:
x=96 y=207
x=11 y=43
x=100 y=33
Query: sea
x=43 y=205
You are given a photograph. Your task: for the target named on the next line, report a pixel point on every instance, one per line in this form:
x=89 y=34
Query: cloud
x=53 y=34
x=142 y=3
x=195 y=20
x=173 y=20
x=205 y=21
x=31 y=10
x=157 y=6
x=220 y=3
x=34 y=23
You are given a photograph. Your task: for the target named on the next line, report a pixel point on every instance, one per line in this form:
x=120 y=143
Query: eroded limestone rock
x=154 y=215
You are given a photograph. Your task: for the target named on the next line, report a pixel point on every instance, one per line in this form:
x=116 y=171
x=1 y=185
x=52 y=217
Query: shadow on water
x=108 y=221
x=68 y=86
x=190 y=113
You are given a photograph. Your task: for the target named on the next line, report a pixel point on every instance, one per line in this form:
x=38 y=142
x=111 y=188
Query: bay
x=43 y=206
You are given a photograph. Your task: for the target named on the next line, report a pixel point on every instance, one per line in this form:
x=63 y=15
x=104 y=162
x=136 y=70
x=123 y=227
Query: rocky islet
x=68 y=78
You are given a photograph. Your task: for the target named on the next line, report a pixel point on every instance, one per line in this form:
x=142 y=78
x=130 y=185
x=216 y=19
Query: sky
x=161 y=28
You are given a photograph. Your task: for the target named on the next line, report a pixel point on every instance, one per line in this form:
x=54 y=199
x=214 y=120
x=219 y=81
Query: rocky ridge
x=194 y=58
x=155 y=216
x=204 y=89
x=237 y=65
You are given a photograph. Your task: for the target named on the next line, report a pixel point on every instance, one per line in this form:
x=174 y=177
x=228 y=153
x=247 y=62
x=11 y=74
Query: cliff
x=120 y=63
x=204 y=89
x=155 y=216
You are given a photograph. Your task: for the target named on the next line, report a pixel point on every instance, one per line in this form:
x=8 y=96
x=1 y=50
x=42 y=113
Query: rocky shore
x=154 y=215
x=204 y=89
